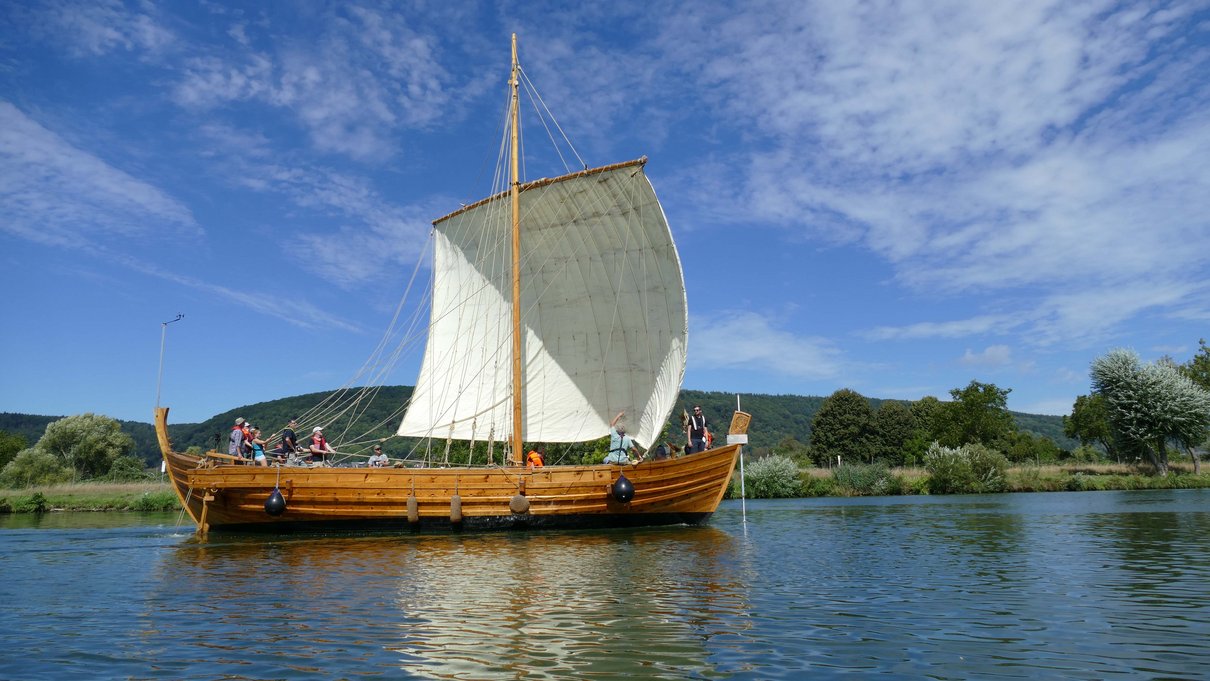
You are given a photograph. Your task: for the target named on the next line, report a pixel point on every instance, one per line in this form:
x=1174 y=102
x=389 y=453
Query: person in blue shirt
x=620 y=444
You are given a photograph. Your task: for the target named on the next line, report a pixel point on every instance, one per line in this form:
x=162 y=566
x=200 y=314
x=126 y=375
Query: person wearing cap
x=697 y=430
x=289 y=440
x=235 y=443
x=320 y=449
x=378 y=459
x=620 y=444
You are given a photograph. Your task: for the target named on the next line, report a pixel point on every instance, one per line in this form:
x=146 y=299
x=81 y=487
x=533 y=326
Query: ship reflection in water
x=565 y=604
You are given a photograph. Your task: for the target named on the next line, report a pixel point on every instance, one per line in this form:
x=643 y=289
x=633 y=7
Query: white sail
x=603 y=314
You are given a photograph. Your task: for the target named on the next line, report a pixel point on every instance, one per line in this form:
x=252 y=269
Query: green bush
x=864 y=480
x=813 y=486
x=156 y=501
x=35 y=503
x=969 y=469
x=127 y=469
x=772 y=477
x=33 y=468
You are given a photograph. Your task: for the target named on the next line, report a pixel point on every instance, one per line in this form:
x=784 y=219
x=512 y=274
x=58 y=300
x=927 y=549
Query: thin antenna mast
x=160 y=376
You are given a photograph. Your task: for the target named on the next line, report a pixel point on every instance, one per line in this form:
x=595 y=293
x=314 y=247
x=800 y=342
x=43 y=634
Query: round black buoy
x=623 y=489
x=275 y=505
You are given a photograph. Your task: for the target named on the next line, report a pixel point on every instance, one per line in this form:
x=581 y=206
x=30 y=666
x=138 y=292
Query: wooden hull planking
x=687 y=489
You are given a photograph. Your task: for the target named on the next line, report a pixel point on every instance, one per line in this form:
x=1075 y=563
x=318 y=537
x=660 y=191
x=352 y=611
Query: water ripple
x=1072 y=586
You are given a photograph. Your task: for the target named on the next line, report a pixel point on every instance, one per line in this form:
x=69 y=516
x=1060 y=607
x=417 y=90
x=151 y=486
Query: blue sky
x=893 y=197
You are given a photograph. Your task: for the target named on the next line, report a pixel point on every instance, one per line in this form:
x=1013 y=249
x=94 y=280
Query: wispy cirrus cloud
x=376 y=235
x=96 y=28
x=56 y=194
x=958 y=328
x=351 y=87
x=1043 y=152
x=53 y=192
x=741 y=338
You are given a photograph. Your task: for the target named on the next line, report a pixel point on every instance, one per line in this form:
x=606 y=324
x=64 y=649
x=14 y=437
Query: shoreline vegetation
x=845 y=481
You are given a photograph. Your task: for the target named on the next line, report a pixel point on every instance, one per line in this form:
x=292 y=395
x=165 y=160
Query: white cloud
x=95 y=28
x=991 y=356
x=376 y=236
x=55 y=193
x=731 y=339
x=1043 y=154
x=975 y=326
x=352 y=86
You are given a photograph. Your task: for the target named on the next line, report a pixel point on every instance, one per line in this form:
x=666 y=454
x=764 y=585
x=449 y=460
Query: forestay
x=603 y=314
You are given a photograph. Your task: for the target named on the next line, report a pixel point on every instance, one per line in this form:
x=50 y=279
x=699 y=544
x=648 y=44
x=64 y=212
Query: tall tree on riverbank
x=1150 y=404
x=88 y=443
x=1089 y=423
x=844 y=427
x=978 y=414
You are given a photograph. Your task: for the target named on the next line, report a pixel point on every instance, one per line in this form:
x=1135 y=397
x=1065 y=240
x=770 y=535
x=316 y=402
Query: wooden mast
x=514 y=81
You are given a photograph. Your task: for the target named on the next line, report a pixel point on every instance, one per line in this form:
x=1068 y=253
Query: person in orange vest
x=536 y=457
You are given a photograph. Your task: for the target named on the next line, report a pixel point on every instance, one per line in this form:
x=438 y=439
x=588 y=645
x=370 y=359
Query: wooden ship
x=555 y=304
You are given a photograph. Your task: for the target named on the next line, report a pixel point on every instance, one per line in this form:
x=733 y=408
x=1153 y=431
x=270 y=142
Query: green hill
x=774 y=417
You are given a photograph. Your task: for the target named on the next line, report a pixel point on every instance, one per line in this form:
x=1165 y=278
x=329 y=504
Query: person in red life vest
x=320 y=449
x=247 y=451
x=536 y=457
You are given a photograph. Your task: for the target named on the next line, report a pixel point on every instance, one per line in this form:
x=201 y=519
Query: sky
x=892 y=197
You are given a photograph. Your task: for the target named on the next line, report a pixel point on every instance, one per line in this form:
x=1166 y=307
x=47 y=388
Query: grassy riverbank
x=822 y=482
x=90 y=496
x=818 y=482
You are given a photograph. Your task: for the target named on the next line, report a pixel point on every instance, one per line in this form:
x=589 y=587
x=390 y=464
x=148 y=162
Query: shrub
x=35 y=503
x=813 y=486
x=968 y=469
x=126 y=469
x=772 y=477
x=865 y=480
x=156 y=501
x=33 y=468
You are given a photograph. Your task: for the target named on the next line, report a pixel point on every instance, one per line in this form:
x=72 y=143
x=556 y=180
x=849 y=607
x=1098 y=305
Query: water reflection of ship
x=638 y=602
x=576 y=605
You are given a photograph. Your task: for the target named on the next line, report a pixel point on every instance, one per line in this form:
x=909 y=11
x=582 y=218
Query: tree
x=894 y=426
x=10 y=444
x=978 y=414
x=928 y=411
x=1198 y=368
x=1150 y=404
x=1198 y=371
x=1023 y=446
x=844 y=427
x=1089 y=423
x=87 y=443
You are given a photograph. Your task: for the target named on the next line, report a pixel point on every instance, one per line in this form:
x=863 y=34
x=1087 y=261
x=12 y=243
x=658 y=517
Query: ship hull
x=226 y=497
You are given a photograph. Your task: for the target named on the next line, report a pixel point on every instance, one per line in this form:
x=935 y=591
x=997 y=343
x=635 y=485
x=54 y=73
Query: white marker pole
x=743 y=497
x=163 y=334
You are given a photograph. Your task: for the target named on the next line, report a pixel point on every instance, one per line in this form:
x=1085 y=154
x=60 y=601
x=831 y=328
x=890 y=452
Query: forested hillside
x=774 y=418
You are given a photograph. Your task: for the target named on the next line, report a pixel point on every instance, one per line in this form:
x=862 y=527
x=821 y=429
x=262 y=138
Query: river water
x=1089 y=585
